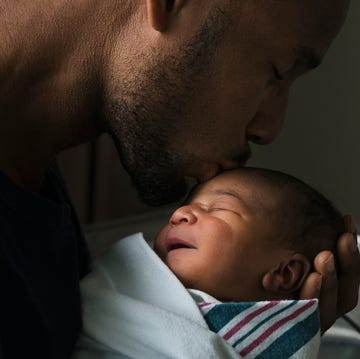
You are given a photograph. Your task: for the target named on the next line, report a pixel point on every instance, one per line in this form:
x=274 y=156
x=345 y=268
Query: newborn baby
x=224 y=281
x=249 y=235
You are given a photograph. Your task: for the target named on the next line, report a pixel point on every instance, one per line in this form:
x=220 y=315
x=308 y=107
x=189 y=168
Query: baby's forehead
x=237 y=181
x=232 y=182
x=254 y=190
x=218 y=183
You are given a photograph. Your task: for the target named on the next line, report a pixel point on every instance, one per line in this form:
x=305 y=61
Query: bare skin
x=167 y=75
x=223 y=242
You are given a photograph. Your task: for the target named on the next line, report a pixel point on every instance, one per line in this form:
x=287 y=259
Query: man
x=182 y=86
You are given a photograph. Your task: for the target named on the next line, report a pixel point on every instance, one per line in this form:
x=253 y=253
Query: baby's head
x=249 y=234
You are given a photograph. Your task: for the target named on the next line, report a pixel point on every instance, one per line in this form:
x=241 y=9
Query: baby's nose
x=184 y=214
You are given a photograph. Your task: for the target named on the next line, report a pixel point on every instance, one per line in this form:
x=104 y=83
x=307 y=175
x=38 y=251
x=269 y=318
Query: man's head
x=249 y=234
x=190 y=83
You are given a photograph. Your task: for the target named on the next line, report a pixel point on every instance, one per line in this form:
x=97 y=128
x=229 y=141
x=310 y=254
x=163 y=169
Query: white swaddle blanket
x=135 y=307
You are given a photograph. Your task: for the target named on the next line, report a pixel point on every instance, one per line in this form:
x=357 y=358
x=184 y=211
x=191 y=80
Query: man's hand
x=337 y=292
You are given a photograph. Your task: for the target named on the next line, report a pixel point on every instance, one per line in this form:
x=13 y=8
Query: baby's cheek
x=160 y=252
x=159 y=244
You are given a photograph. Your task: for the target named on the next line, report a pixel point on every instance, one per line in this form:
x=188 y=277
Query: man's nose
x=184 y=214
x=269 y=119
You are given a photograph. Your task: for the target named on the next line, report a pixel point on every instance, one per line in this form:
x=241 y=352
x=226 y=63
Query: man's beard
x=148 y=109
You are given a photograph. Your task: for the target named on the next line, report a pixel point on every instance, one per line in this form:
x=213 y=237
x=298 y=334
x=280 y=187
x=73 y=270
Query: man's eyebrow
x=308 y=56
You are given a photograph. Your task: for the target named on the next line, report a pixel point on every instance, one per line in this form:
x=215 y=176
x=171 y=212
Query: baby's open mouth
x=176 y=243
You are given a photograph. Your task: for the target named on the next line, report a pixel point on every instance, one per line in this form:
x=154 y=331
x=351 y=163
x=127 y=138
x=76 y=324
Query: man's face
x=189 y=105
x=224 y=240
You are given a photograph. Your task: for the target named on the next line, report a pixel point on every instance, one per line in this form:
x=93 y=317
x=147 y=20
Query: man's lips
x=236 y=161
x=173 y=243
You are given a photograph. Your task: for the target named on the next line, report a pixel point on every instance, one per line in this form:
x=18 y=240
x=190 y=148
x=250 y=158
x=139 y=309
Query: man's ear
x=159 y=12
x=288 y=277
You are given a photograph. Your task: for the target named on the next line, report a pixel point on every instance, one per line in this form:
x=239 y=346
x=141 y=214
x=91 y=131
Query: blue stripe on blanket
x=264 y=321
x=293 y=339
x=221 y=314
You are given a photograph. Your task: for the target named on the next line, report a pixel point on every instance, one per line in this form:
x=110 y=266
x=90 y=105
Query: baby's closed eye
x=226 y=209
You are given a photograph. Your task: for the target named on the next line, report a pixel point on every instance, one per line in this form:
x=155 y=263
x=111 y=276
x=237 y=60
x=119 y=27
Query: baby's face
x=222 y=242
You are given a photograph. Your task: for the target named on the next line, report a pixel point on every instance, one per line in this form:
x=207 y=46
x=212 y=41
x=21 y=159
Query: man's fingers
x=350 y=225
x=325 y=266
x=312 y=286
x=340 y=288
x=349 y=272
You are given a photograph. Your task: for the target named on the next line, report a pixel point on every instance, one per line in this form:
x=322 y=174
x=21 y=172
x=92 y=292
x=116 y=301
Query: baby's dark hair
x=307 y=221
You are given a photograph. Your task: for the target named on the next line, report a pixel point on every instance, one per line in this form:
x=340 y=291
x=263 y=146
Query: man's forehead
x=306 y=17
x=302 y=29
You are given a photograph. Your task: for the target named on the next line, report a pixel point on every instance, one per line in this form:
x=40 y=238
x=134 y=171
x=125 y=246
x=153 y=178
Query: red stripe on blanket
x=274 y=327
x=204 y=304
x=248 y=318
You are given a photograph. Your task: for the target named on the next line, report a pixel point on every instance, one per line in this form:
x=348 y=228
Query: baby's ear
x=288 y=276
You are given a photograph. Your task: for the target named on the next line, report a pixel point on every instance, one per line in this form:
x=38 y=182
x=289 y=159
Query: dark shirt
x=42 y=257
